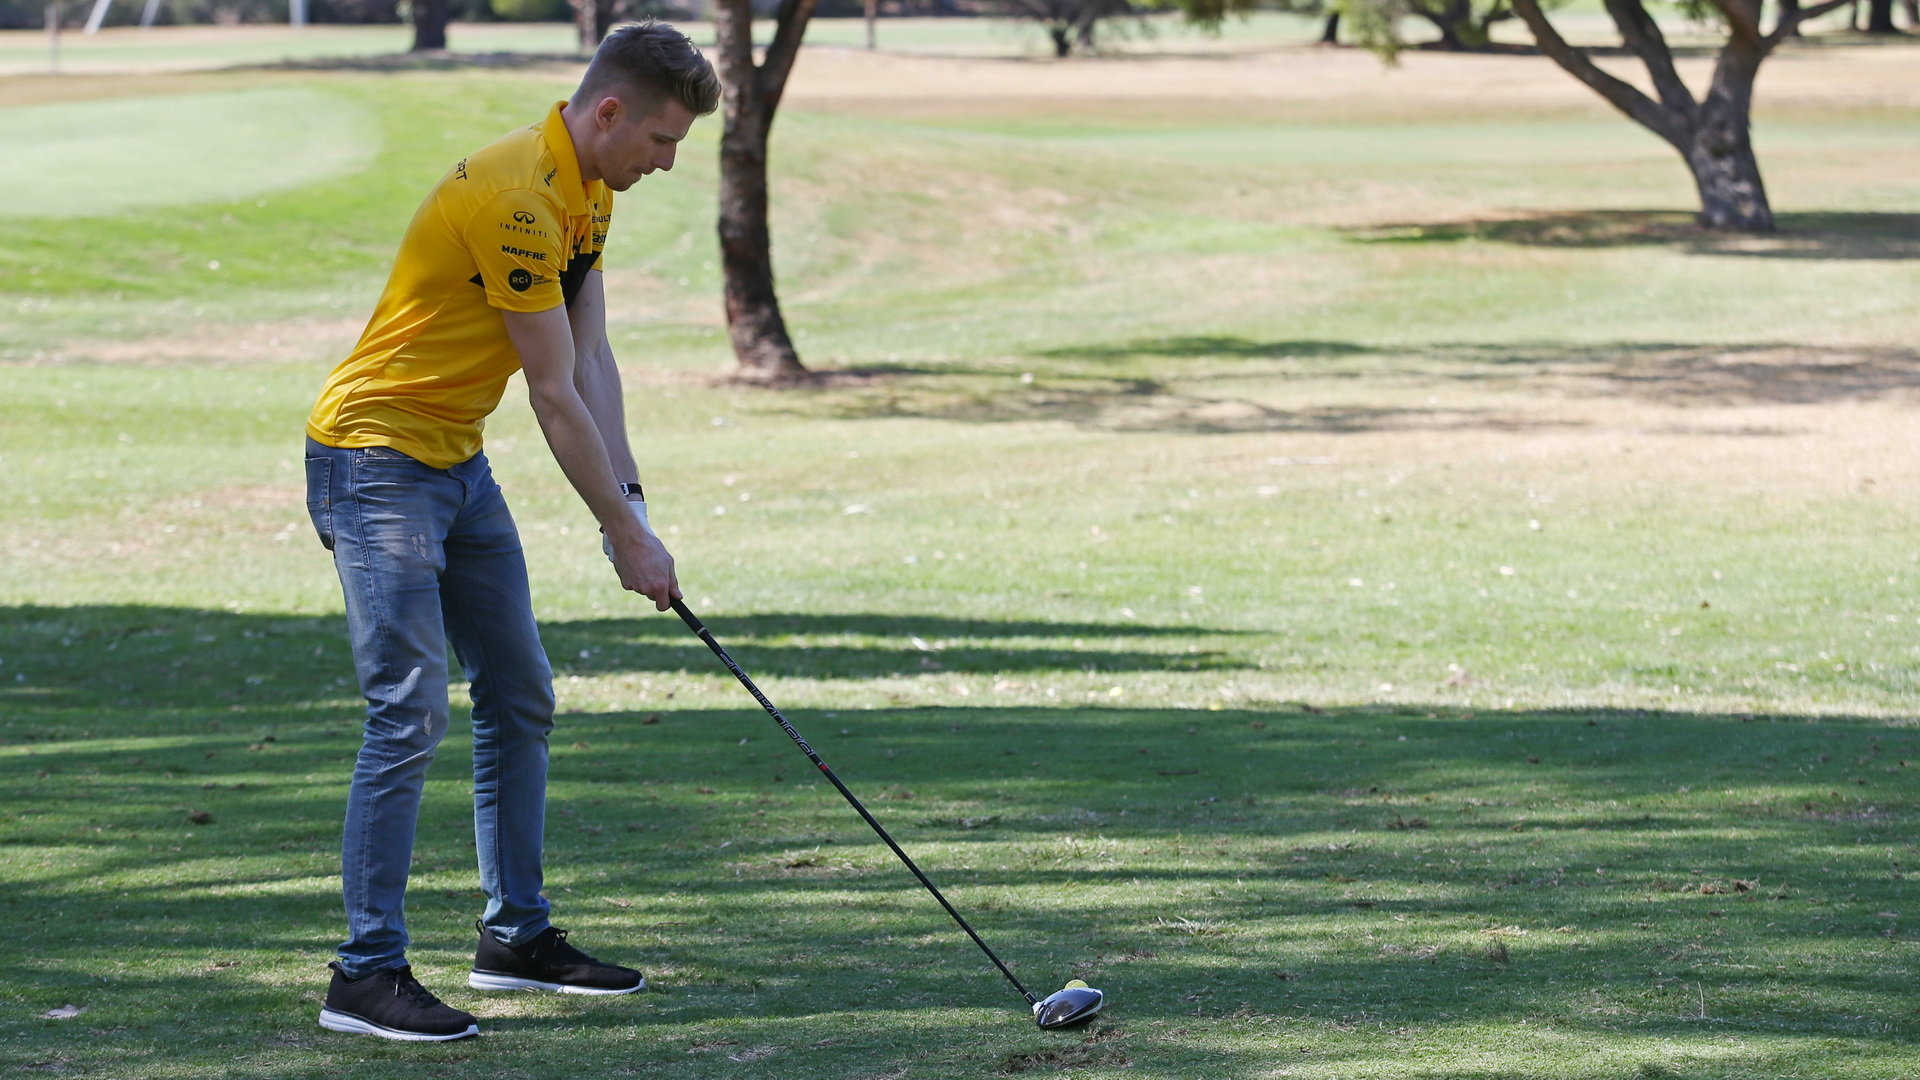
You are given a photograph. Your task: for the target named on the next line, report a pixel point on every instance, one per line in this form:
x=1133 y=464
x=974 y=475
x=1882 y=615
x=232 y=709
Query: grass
x=1377 y=601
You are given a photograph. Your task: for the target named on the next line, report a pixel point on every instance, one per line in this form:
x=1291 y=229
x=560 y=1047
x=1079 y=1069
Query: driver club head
x=1076 y=1003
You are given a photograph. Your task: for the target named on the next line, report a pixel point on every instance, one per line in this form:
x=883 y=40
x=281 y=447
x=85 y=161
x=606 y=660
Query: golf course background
x=1325 y=553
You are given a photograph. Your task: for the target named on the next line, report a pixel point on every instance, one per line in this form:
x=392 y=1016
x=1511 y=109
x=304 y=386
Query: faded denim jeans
x=426 y=557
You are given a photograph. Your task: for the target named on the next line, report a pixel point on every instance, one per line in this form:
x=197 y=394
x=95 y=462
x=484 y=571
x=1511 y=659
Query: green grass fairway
x=177 y=149
x=1328 y=555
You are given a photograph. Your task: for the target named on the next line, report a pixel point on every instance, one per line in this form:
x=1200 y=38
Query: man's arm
x=597 y=377
x=544 y=340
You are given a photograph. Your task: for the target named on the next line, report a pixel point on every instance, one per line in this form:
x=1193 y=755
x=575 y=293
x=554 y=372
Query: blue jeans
x=427 y=556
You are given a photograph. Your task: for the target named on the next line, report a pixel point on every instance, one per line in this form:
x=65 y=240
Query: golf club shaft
x=693 y=623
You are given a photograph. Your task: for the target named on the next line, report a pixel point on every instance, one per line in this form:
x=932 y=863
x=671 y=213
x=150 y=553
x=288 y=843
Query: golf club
x=1074 y=1003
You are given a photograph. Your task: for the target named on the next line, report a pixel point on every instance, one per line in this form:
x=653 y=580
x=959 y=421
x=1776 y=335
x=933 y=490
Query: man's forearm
x=574 y=437
x=597 y=378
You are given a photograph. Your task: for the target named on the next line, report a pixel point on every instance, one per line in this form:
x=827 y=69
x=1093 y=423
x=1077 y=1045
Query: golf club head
x=1075 y=1004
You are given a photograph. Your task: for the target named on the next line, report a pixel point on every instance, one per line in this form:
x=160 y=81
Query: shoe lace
x=406 y=986
x=553 y=948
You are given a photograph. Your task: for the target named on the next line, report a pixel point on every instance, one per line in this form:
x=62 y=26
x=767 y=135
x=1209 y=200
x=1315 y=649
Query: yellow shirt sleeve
x=519 y=244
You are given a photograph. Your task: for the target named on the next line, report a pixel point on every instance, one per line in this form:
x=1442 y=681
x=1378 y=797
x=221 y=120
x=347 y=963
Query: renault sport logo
x=524 y=217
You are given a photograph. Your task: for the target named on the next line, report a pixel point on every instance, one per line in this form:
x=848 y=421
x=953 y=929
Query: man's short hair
x=648 y=61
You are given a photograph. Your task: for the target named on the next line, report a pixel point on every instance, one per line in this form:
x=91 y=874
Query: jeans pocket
x=320 y=498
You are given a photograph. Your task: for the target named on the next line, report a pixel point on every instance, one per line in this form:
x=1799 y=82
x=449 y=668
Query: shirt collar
x=566 y=162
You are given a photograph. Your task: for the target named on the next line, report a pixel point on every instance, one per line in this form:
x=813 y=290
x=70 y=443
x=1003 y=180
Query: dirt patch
x=1323 y=83
x=315 y=341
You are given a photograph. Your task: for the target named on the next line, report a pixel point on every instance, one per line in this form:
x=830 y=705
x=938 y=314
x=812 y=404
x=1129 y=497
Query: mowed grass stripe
x=108 y=158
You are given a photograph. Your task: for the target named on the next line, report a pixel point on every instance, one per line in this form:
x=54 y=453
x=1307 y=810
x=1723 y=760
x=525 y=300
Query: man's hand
x=643 y=563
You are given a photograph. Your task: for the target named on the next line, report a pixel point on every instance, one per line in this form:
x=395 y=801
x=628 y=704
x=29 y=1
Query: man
x=498 y=271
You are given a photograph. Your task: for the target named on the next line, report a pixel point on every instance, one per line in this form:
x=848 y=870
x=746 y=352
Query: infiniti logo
x=523 y=217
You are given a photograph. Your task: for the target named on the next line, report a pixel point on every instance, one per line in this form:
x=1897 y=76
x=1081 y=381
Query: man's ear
x=606 y=112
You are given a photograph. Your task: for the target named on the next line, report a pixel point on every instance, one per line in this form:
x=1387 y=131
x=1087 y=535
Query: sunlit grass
x=1377 y=602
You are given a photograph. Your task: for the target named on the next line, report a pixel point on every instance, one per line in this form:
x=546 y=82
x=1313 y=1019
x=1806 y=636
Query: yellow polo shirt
x=508 y=228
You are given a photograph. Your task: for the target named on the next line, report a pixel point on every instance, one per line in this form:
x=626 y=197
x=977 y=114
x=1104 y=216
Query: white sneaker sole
x=480 y=980
x=338 y=1021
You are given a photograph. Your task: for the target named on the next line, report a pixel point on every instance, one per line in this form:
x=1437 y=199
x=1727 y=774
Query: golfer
x=499 y=271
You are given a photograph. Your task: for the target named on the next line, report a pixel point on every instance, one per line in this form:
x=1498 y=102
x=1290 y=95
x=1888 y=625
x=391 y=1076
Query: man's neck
x=579 y=125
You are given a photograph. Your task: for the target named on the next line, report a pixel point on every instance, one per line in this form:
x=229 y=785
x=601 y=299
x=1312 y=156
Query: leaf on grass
x=1195 y=927
x=64 y=1012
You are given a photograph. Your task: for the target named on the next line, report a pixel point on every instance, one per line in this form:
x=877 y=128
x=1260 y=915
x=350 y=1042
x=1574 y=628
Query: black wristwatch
x=633 y=489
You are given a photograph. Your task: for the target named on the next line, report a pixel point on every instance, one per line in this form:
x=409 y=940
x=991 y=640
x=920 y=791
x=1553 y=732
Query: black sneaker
x=546 y=963
x=392 y=1005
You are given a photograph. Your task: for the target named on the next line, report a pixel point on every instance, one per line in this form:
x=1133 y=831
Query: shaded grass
x=1691 y=890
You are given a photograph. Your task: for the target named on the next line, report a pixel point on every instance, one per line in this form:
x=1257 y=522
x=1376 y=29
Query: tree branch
x=1622 y=95
x=1743 y=16
x=792 y=26
x=1792 y=15
x=1643 y=38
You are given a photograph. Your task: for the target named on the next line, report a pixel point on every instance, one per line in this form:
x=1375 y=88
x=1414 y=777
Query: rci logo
x=524 y=217
x=520 y=281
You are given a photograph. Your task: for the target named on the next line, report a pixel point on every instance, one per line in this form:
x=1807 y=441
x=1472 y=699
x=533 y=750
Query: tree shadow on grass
x=1135 y=404
x=100 y=659
x=1816 y=235
x=1326 y=877
x=1193 y=390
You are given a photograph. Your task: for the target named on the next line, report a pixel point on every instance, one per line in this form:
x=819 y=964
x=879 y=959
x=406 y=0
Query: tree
x=754 y=322
x=429 y=25
x=1880 y=16
x=1070 y=24
x=1711 y=132
x=594 y=20
x=1211 y=13
x=1464 y=25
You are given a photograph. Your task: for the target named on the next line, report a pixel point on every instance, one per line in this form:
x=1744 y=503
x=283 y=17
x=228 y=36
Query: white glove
x=640 y=514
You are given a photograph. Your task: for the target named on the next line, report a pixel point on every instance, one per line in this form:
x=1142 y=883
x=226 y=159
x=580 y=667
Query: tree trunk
x=1711 y=134
x=754 y=323
x=1880 y=17
x=873 y=13
x=1062 y=41
x=592 y=19
x=429 y=25
x=1727 y=175
x=1331 y=34
x=1719 y=148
